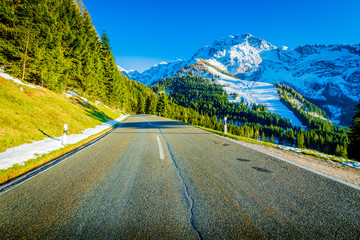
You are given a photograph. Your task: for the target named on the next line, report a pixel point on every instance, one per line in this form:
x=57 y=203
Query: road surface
x=154 y=178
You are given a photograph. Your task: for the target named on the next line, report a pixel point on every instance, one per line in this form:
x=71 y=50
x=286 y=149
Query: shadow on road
x=243 y=160
x=154 y=124
x=261 y=169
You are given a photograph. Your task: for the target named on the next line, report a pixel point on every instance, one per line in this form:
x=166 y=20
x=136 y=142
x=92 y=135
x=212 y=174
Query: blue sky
x=145 y=32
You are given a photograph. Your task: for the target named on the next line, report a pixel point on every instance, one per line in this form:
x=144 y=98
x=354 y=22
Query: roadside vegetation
x=253 y=121
x=59 y=49
x=309 y=114
x=31 y=114
x=53 y=44
x=354 y=134
x=17 y=169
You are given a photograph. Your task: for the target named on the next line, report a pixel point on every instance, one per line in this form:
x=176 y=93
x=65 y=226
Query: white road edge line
x=161 y=152
x=284 y=160
x=298 y=165
x=65 y=157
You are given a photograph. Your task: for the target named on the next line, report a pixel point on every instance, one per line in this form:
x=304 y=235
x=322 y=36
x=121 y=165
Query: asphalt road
x=154 y=178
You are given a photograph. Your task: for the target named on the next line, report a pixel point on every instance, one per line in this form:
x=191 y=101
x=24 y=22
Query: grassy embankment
x=28 y=114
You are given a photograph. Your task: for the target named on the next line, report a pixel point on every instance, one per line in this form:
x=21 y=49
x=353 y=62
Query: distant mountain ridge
x=328 y=75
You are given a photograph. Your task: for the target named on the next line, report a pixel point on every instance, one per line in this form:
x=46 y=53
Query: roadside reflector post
x=225 y=126
x=65 y=134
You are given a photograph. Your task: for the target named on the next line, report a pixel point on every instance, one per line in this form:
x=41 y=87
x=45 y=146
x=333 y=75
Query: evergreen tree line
x=332 y=143
x=209 y=99
x=354 y=134
x=53 y=43
x=285 y=91
x=344 y=103
x=287 y=97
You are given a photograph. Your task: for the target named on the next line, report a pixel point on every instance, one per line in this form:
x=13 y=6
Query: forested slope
x=54 y=44
x=252 y=121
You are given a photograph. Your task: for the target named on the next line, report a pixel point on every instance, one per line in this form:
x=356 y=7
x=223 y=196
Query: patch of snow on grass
x=330 y=158
x=18 y=81
x=22 y=153
x=70 y=94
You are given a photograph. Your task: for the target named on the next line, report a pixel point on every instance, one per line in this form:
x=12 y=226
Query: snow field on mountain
x=317 y=72
x=260 y=93
x=25 y=152
x=255 y=92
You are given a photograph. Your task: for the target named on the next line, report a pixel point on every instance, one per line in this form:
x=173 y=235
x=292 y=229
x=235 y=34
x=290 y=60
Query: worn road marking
x=161 y=152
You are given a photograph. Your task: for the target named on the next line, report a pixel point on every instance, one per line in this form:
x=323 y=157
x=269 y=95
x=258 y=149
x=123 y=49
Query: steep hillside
x=250 y=92
x=54 y=44
x=30 y=113
x=326 y=75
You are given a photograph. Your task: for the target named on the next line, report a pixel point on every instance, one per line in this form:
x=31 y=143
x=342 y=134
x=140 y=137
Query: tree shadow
x=97 y=115
x=262 y=170
x=48 y=135
x=152 y=124
x=90 y=110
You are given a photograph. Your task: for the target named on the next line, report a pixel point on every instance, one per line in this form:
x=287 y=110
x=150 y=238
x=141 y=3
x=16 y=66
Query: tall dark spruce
x=354 y=135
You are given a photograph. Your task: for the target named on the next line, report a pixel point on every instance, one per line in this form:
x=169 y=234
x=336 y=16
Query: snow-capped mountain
x=156 y=72
x=328 y=75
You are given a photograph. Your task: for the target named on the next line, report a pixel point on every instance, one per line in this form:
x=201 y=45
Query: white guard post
x=225 y=126
x=64 y=142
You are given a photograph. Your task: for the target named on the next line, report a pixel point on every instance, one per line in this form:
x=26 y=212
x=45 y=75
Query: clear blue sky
x=145 y=32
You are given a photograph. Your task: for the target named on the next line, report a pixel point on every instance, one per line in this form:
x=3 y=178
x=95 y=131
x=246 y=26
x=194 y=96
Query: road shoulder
x=347 y=174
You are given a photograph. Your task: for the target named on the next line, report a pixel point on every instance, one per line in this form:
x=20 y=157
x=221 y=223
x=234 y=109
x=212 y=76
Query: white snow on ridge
x=215 y=72
x=260 y=93
x=255 y=92
x=22 y=153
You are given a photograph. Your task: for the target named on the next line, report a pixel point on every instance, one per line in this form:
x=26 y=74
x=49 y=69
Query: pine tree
x=344 y=152
x=162 y=106
x=300 y=141
x=354 y=134
x=257 y=134
x=272 y=139
x=289 y=138
x=263 y=136
x=338 y=150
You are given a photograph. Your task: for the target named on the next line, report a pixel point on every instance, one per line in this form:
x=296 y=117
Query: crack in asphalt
x=189 y=199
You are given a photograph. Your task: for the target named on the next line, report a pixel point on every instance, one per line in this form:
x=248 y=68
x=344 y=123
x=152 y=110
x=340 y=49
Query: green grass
x=34 y=114
x=17 y=170
x=28 y=114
